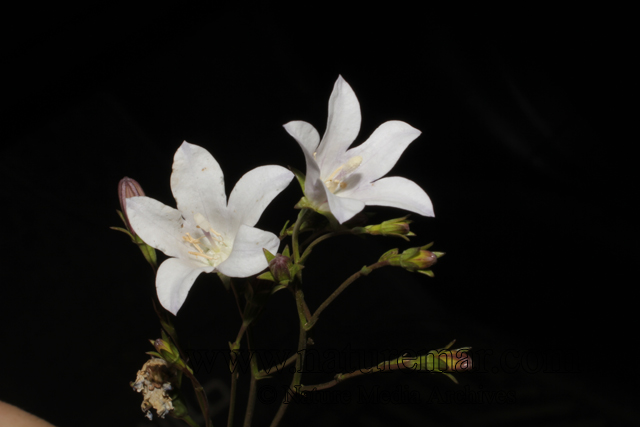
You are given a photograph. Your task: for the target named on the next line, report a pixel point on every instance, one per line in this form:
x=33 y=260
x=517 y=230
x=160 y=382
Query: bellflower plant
x=342 y=181
x=206 y=233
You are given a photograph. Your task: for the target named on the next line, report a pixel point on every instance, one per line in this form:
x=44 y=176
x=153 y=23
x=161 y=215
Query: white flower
x=206 y=233
x=342 y=181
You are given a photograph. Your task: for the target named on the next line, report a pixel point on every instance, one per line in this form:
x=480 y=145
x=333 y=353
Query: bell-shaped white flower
x=206 y=233
x=342 y=181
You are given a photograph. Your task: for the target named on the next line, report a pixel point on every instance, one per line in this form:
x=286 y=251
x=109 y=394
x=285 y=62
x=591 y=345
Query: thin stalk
x=302 y=346
x=201 y=396
x=264 y=373
x=294 y=235
x=187 y=419
x=232 y=398
x=307 y=251
x=251 y=402
x=393 y=365
x=341 y=288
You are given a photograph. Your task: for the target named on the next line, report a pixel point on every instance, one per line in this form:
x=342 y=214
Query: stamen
x=202 y=254
x=211 y=246
x=336 y=181
x=335 y=172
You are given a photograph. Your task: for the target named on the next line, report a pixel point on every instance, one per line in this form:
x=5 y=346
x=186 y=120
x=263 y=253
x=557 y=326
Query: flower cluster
x=210 y=233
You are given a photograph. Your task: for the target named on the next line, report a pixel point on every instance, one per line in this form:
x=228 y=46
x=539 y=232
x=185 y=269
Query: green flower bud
x=168 y=351
x=416 y=259
x=394 y=227
x=446 y=360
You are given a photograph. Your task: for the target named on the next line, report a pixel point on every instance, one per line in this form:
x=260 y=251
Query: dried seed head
x=153 y=381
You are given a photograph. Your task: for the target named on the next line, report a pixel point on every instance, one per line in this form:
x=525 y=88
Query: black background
x=525 y=153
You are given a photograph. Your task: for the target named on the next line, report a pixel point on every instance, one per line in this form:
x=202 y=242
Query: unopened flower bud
x=128 y=187
x=279 y=267
x=417 y=260
x=446 y=360
x=393 y=227
x=168 y=351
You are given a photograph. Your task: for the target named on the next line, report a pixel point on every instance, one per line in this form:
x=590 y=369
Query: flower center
x=210 y=248
x=337 y=180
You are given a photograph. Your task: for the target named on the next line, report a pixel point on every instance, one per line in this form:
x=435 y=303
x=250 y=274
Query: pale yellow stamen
x=202 y=254
x=187 y=237
x=210 y=247
x=336 y=181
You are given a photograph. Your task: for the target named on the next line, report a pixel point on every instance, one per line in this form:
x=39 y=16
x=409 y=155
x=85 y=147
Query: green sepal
x=164 y=336
x=439 y=254
x=226 y=281
x=268 y=255
x=121 y=215
x=304 y=203
x=147 y=251
x=267 y=275
x=278 y=288
x=385 y=256
x=125 y=231
x=427 y=246
x=286 y=252
x=165 y=321
x=283 y=232
x=451 y=377
x=299 y=176
x=154 y=354
x=426 y=272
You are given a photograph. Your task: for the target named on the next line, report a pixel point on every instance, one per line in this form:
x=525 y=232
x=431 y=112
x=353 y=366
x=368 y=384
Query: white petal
x=382 y=150
x=157 y=224
x=396 y=192
x=247 y=257
x=254 y=191
x=174 y=280
x=313 y=186
x=197 y=184
x=343 y=125
x=306 y=135
x=343 y=208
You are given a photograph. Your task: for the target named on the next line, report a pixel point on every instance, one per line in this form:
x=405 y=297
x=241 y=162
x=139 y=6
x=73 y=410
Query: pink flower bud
x=128 y=187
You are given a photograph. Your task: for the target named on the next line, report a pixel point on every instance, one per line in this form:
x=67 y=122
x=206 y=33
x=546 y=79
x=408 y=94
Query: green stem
x=341 y=288
x=232 y=398
x=307 y=251
x=241 y=332
x=263 y=373
x=302 y=346
x=251 y=402
x=392 y=365
x=201 y=396
x=187 y=419
x=294 y=235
